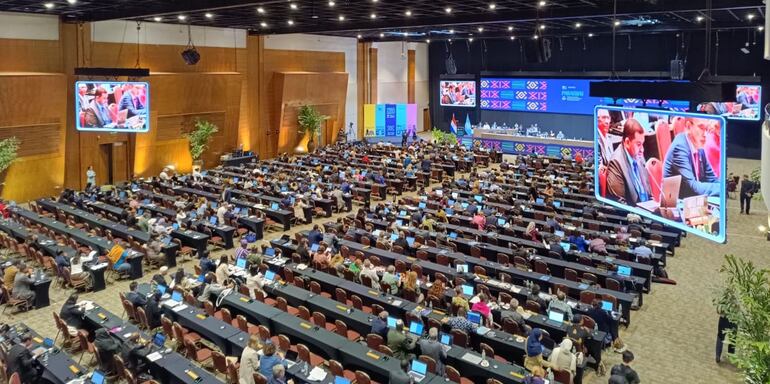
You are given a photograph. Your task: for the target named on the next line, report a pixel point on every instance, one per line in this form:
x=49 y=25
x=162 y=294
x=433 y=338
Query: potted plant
x=199 y=139
x=8 y=151
x=309 y=121
x=744 y=299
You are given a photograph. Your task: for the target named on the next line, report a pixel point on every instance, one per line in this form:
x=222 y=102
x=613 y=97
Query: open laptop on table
x=669 y=195
x=418 y=370
x=555 y=318
x=97 y=377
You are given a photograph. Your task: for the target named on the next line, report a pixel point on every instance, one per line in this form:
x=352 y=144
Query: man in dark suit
x=130 y=101
x=20 y=361
x=748 y=188
x=603 y=124
x=380 y=324
x=98 y=115
x=136 y=298
x=627 y=178
x=687 y=158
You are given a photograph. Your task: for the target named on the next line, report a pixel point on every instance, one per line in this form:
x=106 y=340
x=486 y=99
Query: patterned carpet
x=672 y=336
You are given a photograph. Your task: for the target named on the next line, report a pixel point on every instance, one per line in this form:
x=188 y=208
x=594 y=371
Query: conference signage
x=565 y=96
x=675 y=176
x=383 y=120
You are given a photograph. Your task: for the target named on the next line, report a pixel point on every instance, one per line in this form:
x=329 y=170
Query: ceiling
x=416 y=20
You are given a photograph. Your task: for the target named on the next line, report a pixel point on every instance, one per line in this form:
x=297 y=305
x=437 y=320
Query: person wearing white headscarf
x=562 y=357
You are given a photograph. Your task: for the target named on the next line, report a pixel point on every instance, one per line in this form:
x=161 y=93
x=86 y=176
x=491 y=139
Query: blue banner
x=400 y=119
x=380 y=119
x=390 y=119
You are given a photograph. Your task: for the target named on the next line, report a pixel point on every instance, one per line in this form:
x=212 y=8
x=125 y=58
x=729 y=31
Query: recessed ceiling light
x=382 y=35
x=263 y=24
x=590 y=35
x=72 y=1
x=535 y=37
x=331 y=3
x=260 y=10
x=616 y=23
x=209 y=15
x=699 y=18
x=541 y=3
x=480 y=29
x=290 y=22
x=451 y=31
x=542 y=26
x=450 y=40
x=359 y=36
x=374 y=1
x=470 y=39
x=492 y=5
x=157 y=18
x=182 y=17
x=578 y=25
x=760 y=28
x=48 y=5
x=448 y=10
x=373 y=16
x=750 y=16
x=408 y=13
x=513 y=37
x=342 y=17
x=293 y=6
x=510 y=28
x=427 y=41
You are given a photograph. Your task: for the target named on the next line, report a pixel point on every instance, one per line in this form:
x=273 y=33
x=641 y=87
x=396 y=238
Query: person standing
x=90 y=177
x=624 y=370
x=748 y=188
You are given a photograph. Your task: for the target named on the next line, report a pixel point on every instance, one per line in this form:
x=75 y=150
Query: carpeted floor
x=672 y=336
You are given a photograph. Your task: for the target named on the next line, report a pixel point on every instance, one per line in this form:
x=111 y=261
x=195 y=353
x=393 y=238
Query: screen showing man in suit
x=667 y=166
x=112 y=106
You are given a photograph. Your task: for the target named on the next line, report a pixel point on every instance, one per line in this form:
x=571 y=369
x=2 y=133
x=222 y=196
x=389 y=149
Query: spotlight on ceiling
x=260 y=10
x=578 y=25
x=408 y=13
x=541 y=3
x=157 y=19
x=182 y=17
x=492 y=6
x=49 y=5
x=699 y=18
x=331 y=3
x=448 y=9
x=209 y=15
x=293 y=6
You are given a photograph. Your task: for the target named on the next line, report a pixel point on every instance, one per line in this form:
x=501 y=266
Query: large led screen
x=457 y=93
x=112 y=106
x=383 y=120
x=683 y=186
x=746 y=105
x=567 y=96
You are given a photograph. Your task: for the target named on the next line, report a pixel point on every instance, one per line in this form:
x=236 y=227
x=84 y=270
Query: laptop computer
x=213 y=220
x=402 y=213
x=415 y=328
x=607 y=305
x=418 y=370
x=314 y=247
x=474 y=317
x=167 y=240
x=624 y=270
x=201 y=277
x=669 y=194
x=235 y=179
x=399 y=223
x=557 y=204
x=462 y=268
x=445 y=339
x=555 y=318
x=274 y=206
x=467 y=289
x=270 y=276
x=565 y=189
x=237 y=210
x=139 y=212
x=176 y=299
x=410 y=241
x=449 y=211
x=421 y=205
x=539 y=200
x=566 y=246
x=159 y=339
x=193 y=214
x=464 y=205
x=161 y=289
x=97 y=377
x=341 y=380
x=500 y=221
x=213 y=204
x=453 y=235
x=391 y=322
x=240 y=263
x=454 y=195
x=393 y=237
x=175 y=226
x=478 y=198
x=270 y=252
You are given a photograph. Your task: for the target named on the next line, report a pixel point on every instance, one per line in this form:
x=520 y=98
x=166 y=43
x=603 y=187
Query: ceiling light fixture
x=290 y=22
x=578 y=25
x=342 y=17
x=331 y=3
x=492 y=6
x=750 y=16
x=408 y=13
x=616 y=23
x=513 y=37
x=373 y=16
x=448 y=9
x=760 y=28
x=541 y=3
x=451 y=31
x=182 y=17
x=699 y=18
x=542 y=26
x=427 y=41
x=590 y=35
x=72 y=2
x=382 y=35
x=209 y=15
x=359 y=36
x=480 y=29
x=293 y=5
x=510 y=28
x=157 y=19
x=49 y=5
x=535 y=37
x=470 y=39
x=263 y=24
x=260 y=10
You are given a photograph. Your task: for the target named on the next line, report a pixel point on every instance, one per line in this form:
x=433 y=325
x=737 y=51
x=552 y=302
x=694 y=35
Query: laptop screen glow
x=419 y=367
x=555 y=316
x=415 y=328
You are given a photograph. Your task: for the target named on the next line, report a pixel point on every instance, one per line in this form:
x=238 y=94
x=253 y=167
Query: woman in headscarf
x=534 y=356
x=562 y=357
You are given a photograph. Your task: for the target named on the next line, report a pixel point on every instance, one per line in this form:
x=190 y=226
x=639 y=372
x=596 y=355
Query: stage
x=518 y=144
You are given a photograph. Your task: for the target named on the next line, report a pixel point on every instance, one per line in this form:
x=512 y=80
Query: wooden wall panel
x=167 y=58
x=410 y=76
x=39 y=139
x=326 y=91
x=30 y=55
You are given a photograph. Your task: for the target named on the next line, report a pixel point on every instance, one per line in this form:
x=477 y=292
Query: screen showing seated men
x=458 y=93
x=667 y=166
x=746 y=105
x=112 y=106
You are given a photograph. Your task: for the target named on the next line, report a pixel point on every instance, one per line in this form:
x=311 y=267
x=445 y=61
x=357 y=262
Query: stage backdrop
x=382 y=120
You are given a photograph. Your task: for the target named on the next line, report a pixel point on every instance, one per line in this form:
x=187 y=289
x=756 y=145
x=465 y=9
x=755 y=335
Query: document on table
x=317 y=374
x=155 y=356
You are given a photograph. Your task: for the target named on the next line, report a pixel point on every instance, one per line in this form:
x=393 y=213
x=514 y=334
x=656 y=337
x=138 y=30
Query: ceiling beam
x=626 y=11
x=164 y=8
